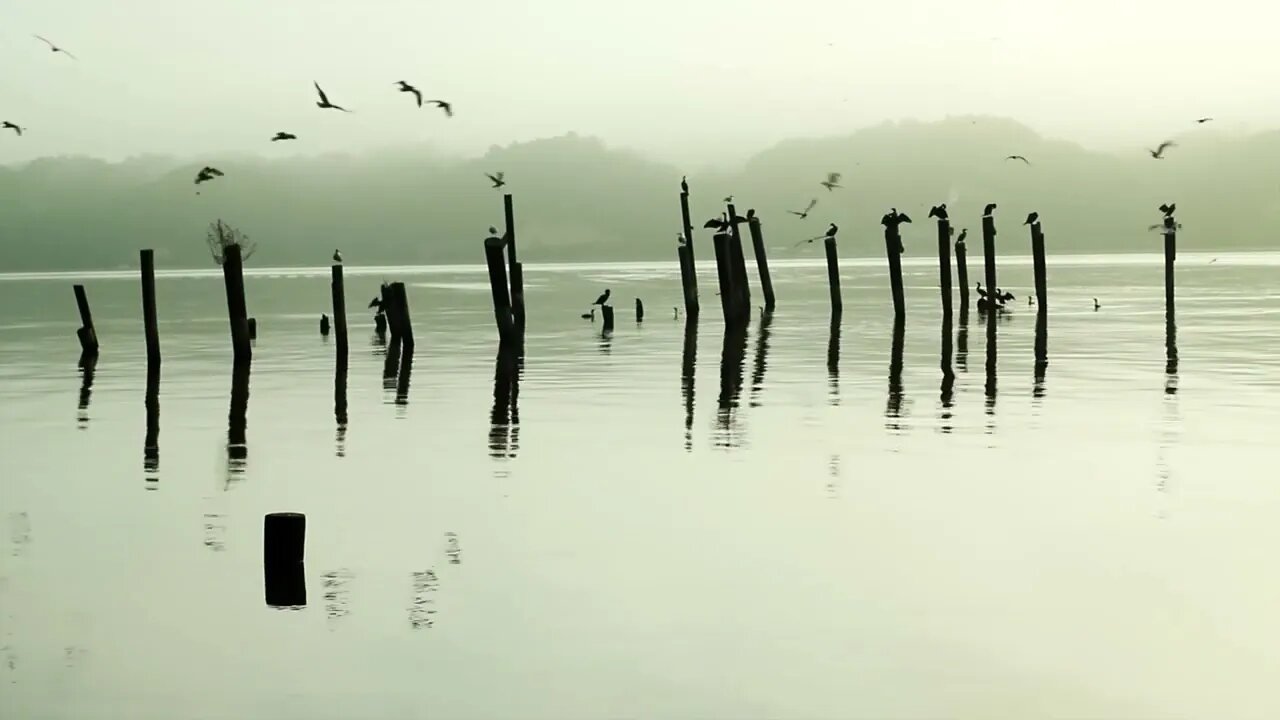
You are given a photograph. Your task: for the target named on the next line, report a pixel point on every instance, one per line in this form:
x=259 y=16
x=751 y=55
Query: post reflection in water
x=340 y=409
x=391 y=365
x=86 y=391
x=237 y=448
x=1042 y=351
x=605 y=344
x=1171 y=355
x=688 y=366
x=504 y=419
x=1171 y=416
x=402 y=381
x=151 y=442
x=947 y=391
x=761 y=361
x=962 y=340
x=833 y=362
x=991 y=367
x=732 y=357
x=893 y=407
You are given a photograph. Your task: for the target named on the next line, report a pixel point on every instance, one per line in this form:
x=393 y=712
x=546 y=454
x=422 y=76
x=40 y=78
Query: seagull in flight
x=10 y=126
x=497 y=179
x=324 y=103
x=1158 y=153
x=55 y=48
x=804 y=213
x=832 y=182
x=207 y=173
x=1203 y=120
x=445 y=106
x=284 y=136
x=1018 y=157
x=406 y=87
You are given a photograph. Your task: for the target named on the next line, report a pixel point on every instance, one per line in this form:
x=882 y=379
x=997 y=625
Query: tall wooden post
x=944 y=264
x=493 y=247
x=724 y=273
x=762 y=263
x=741 y=285
x=87 y=335
x=150 y=328
x=237 y=313
x=1170 y=254
x=517 y=271
x=687 y=225
x=833 y=277
x=338 y=291
x=688 y=280
x=989 y=255
x=893 y=252
x=1038 y=266
x=962 y=272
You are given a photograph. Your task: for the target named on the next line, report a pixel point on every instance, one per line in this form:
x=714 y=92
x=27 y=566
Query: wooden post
x=944 y=264
x=493 y=247
x=402 y=312
x=338 y=291
x=1038 y=266
x=517 y=271
x=1042 y=349
x=991 y=360
x=639 y=311
x=724 y=273
x=762 y=263
x=150 y=327
x=87 y=335
x=237 y=418
x=688 y=241
x=606 y=313
x=833 y=277
x=893 y=252
x=741 y=286
x=237 y=314
x=1170 y=254
x=833 y=362
x=989 y=257
x=962 y=274
x=688 y=280
x=283 y=550
x=390 y=314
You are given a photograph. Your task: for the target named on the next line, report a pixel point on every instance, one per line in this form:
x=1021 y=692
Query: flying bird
x=207 y=173
x=1018 y=157
x=497 y=179
x=1032 y=219
x=324 y=103
x=830 y=234
x=990 y=208
x=684 y=184
x=10 y=126
x=1158 y=153
x=406 y=87
x=604 y=298
x=832 y=182
x=447 y=107
x=284 y=136
x=805 y=213
x=1168 y=208
x=939 y=211
x=55 y=48
x=337 y=256
x=1203 y=120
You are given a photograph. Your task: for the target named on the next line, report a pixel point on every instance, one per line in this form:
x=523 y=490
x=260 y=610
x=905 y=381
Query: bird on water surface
x=55 y=48
x=603 y=299
x=497 y=179
x=1158 y=153
x=284 y=136
x=10 y=126
x=407 y=88
x=832 y=182
x=805 y=213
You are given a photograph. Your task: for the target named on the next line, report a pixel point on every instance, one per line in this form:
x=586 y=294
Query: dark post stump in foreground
x=516 y=270
x=283 y=543
x=741 y=286
x=639 y=311
x=724 y=273
x=962 y=272
x=989 y=254
x=237 y=314
x=606 y=313
x=944 y=264
x=1038 y=266
x=893 y=252
x=688 y=280
x=833 y=277
x=493 y=247
x=87 y=335
x=339 y=293
x=150 y=327
x=762 y=263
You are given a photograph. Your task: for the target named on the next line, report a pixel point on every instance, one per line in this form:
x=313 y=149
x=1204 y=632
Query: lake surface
x=654 y=523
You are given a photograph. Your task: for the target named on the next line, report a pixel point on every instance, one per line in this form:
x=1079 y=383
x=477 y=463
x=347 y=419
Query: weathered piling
x=337 y=286
x=687 y=224
x=724 y=274
x=741 y=284
x=688 y=279
x=516 y=269
x=404 y=373
x=150 y=326
x=502 y=314
x=944 y=263
x=1042 y=350
x=389 y=314
x=833 y=362
x=253 y=328
x=283 y=556
x=833 y=277
x=1170 y=254
x=606 y=314
x=87 y=335
x=989 y=253
x=402 y=316
x=762 y=263
x=237 y=419
x=87 y=368
x=962 y=271
x=1038 y=266
x=639 y=311
x=237 y=313
x=893 y=252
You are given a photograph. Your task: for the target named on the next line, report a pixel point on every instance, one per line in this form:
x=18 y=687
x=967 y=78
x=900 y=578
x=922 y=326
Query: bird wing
x=215 y=172
x=809 y=207
x=45 y=40
x=493 y=178
x=1165 y=145
x=446 y=107
x=712 y=223
x=416 y=93
x=68 y=54
x=323 y=98
x=902 y=218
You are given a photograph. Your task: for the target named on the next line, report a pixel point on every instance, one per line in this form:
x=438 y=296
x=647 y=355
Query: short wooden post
x=606 y=313
x=944 y=264
x=639 y=311
x=1038 y=266
x=989 y=256
x=237 y=313
x=493 y=248
x=741 y=285
x=283 y=556
x=962 y=272
x=893 y=253
x=338 y=292
x=688 y=280
x=762 y=263
x=87 y=335
x=724 y=274
x=324 y=324
x=833 y=277
x=150 y=327
x=517 y=271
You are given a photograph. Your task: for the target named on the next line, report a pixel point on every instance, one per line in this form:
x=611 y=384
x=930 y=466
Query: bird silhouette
x=1203 y=120
x=939 y=211
x=1168 y=208
x=590 y=315
x=447 y=107
x=805 y=213
x=337 y=256
x=1158 y=153
x=832 y=229
x=324 y=103
x=497 y=179
x=376 y=303
x=684 y=184
x=680 y=241
x=1032 y=219
x=990 y=208
x=1018 y=157
x=207 y=173
x=832 y=182
x=751 y=214
x=1096 y=305
x=55 y=48
x=728 y=199
x=964 y=233
x=406 y=87
x=721 y=223
x=493 y=231
x=893 y=217
x=603 y=299
x=10 y=126
x=284 y=136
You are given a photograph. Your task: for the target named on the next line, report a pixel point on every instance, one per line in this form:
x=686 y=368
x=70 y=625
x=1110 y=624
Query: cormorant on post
x=964 y=232
x=684 y=184
x=981 y=292
x=603 y=299
x=939 y=211
x=805 y=213
x=990 y=208
x=337 y=256
x=680 y=241
x=894 y=218
x=1032 y=219
x=721 y=223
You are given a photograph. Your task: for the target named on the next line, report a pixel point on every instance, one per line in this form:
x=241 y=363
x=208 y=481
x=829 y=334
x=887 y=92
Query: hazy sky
x=676 y=78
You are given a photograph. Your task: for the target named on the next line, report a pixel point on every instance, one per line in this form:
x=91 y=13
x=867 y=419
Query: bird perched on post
x=964 y=233
x=680 y=241
x=1032 y=219
x=719 y=224
x=939 y=211
x=684 y=184
x=284 y=136
x=324 y=103
x=832 y=229
x=894 y=218
x=1168 y=208
x=990 y=208
x=1158 y=153
x=603 y=299
x=805 y=213
x=832 y=182
x=10 y=126
x=337 y=256
x=407 y=88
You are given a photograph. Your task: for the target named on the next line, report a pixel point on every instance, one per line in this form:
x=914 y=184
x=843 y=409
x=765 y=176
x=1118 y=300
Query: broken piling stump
x=493 y=249
x=283 y=555
x=762 y=263
x=87 y=335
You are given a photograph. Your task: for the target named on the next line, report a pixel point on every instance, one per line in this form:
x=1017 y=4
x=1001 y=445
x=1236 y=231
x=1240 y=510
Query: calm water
x=666 y=524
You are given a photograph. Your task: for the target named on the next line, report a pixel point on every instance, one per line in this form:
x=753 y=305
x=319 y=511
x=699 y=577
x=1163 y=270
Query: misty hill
x=578 y=200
